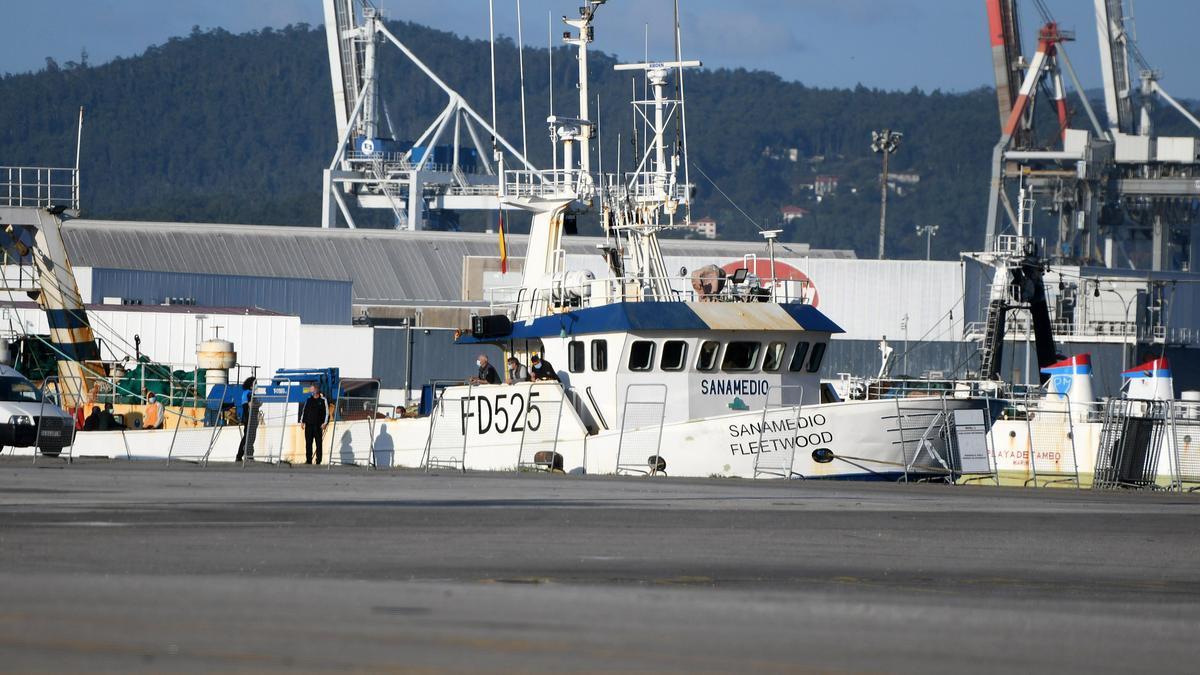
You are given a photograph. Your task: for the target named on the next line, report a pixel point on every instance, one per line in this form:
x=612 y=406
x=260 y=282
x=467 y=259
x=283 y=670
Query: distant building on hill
x=903 y=182
x=793 y=213
x=825 y=185
x=705 y=227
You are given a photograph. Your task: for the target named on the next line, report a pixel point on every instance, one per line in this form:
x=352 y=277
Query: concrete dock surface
x=118 y=566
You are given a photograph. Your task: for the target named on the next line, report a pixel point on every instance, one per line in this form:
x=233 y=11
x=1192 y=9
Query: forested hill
x=236 y=128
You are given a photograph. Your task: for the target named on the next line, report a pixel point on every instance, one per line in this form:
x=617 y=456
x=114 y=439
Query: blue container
x=425 y=408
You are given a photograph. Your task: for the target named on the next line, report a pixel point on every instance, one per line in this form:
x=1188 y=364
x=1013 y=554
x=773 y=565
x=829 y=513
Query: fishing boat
x=706 y=373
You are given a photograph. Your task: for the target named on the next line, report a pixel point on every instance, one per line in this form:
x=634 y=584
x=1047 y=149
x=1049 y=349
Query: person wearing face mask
x=487 y=372
x=516 y=372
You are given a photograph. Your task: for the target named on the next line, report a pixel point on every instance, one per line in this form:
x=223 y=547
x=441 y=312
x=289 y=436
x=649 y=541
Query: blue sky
x=894 y=44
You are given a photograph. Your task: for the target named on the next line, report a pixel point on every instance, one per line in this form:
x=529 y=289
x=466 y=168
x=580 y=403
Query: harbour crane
x=460 y=162
x=1113 y=188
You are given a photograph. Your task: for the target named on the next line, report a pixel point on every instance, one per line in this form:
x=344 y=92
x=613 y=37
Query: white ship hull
x=865 y=437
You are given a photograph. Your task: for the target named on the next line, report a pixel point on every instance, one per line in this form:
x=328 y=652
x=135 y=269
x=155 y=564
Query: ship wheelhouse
x=708 y=359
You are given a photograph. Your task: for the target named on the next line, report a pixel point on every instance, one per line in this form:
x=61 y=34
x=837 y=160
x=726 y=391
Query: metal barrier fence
x=1185 y=437
x=539 y=438
x=922 y=432
x=354 y=444
x=1131 y=440
x=641 y=429
x=779 y=462
x=191 y=440
x=274 y=419
x=446 y=445
x=1050 y=426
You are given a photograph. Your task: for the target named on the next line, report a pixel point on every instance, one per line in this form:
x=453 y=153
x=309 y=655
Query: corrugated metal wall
x=350 y=349
x=435 y=357
x=317 y=301
x=384 y=265
x=867 y=298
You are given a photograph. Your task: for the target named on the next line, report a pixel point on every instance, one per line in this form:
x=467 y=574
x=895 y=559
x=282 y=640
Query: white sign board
x=970 y=437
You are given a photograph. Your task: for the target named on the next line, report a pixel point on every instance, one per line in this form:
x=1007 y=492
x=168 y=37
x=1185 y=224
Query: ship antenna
x=550 y=51
x=687 y=178
x=492 y=40
x=521 y=67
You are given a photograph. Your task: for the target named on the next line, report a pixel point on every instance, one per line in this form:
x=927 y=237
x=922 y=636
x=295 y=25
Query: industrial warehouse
x=285 y=295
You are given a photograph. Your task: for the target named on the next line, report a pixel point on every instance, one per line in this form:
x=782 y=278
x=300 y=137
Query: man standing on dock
x=314 y=416
x=247 y=405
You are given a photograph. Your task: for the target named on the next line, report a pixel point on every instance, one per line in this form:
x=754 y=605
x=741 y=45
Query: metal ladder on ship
x=993 y=339
x=779 y=463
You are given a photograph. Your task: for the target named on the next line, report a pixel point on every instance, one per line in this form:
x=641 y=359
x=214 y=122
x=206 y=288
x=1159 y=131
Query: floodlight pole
x=929 y=231
x=884 y=142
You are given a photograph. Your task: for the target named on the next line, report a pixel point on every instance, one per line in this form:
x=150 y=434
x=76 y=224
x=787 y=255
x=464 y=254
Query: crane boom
x=1114 y=64
x=1006 y=53
x=345 y=66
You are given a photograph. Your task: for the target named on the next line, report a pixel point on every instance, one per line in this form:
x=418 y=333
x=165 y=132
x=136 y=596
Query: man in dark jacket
x=314 y=416
x=541 y=369
x=92 y=423
x=487 y=372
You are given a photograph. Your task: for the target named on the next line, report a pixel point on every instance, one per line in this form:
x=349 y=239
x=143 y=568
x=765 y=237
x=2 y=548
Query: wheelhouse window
x=740 y=356
x=641 y=355
x=599 y=355
x=773 y=360
x=814 y=361
x=798 y=357
x=707 y=361
x=674 y=355
x=575 y=356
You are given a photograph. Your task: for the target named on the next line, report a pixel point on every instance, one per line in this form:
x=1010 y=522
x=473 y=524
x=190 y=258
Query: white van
x=27 y=420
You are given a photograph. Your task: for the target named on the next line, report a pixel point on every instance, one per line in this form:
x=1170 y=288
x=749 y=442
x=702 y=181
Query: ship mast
x=645 y=202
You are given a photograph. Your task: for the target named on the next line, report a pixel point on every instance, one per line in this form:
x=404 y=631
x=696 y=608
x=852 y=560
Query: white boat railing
x=565 y=183
x=39 y=187
x=576 y=293
x=1011 y=244
x=1018 y=326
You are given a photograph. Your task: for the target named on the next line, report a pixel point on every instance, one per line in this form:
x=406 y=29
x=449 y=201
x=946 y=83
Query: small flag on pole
x=503 y=248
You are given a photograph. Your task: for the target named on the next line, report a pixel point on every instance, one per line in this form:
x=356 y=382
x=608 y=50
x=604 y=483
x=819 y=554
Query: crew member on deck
x=152 y=418
x=516 y=371
x=487 y=372
x=542 y=369
x=92 y=423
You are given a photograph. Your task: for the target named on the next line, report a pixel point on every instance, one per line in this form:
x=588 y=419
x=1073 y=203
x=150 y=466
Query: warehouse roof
x=384 y=265
x=156 y=309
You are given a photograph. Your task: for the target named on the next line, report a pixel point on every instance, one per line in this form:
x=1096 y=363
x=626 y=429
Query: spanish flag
x=503 y=248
